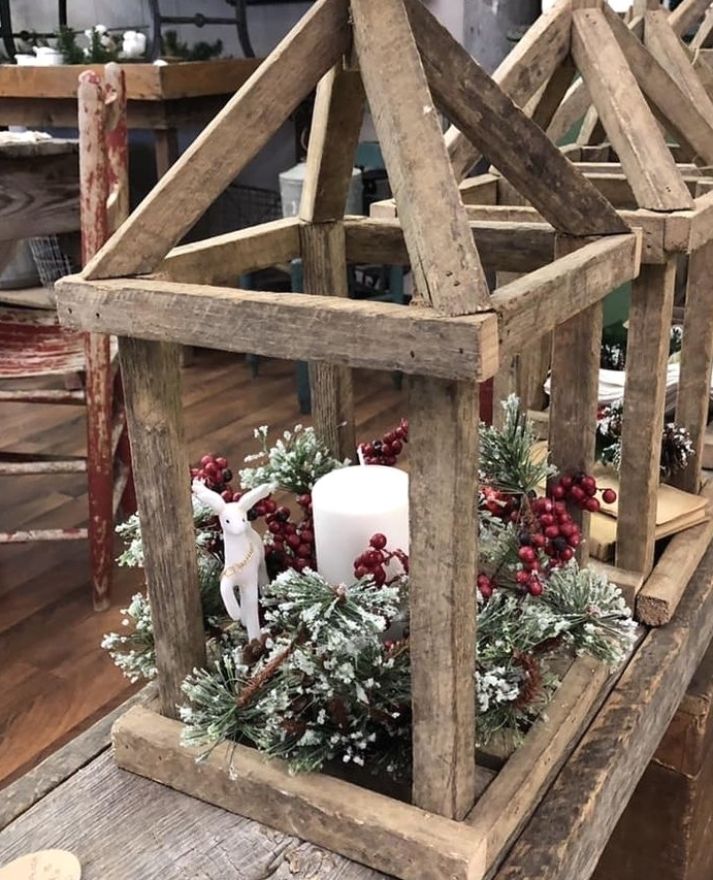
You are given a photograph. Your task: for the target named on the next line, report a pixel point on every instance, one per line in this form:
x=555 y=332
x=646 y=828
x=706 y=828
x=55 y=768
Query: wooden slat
x=627 y=119
x=29 y=536
x=228 y=143
x=445 y=264
x=519 y=148
x=503 y=246
x=574 y=387
x=693 y=393
x=333 y=139
x=686 y=14
x=536 y=303
x=571 y=827
x=51 y=395
x=443 y=450
x=152 y=379
x=373 y=829
x=325 y=272
x=644 y=406
x=657 y=602
x=221 y=260
x=665 y=45
x=689 y=118
x=336 y=124
x=362 y=333
x=528 y=66
x=553 y=94
x=702 y=36
x=570 y=111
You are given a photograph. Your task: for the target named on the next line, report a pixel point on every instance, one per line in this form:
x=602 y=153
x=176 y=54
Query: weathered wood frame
x=638 y=170
x=446 y=344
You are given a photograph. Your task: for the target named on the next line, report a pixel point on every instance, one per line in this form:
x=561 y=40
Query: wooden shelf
x=144 y=82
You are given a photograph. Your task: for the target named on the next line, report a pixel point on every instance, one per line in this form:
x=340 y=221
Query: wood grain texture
x=531 y=63
x=227 y=144
x=693 y=394
x=444 y=260
x=629 y=123
x=334 y=136
x=571 y=827
x=576 y=351
x=573 y=107
x=325 y=272
x=688 y=116
x=644 y=405
x=222 y=259
x=362 y=333
x=535 y=304
x=513 y=795
x=152 y=391
x=553 y=94
x=502 y=245
x=443 y=450
x=686 y=14
x=658 y=600
x=378 y=831
x=39 y=194
x=513 y=142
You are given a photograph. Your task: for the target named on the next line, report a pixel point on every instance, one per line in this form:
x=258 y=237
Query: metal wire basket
x=52 y=259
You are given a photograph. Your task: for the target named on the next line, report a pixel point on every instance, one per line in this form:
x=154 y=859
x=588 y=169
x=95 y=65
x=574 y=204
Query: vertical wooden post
x=574 y=390
x=94 y=189
x=152 y=388
x=694 y=382
x=336 y=123
x=443 y=489
x=644 y=406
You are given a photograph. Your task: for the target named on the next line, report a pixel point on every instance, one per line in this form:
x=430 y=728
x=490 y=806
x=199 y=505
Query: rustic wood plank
x=228 y=143
x=325 y=272
x=570 y=829
x=152 y=392
x=657 y=602
x=689 y=118
x=574 y=386
x=519 y=148
x=537 y=303
x=553 y=94
x=362 y=333
x=513 y=796
x=34 y=785
x=644 y=405
x=443 y=454
x=445 y=264
x=503 y=246
x=571 y=110
x=693 y=394
x=376 y=830
x=39 y=194
x=627 y=119
x=686 y=14
x=221 y=259
x=334 y=136
x=666 y=46
x=702 y=36
x=529 y=65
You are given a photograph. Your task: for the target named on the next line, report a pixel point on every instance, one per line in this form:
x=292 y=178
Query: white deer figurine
x=244 y=553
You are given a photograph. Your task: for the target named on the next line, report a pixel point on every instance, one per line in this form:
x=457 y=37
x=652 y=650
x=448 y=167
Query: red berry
x=547 y=519
x=566 y=554
x=307 y=536
x=522 y=577
x=608 y=496
x=378 y=541
x=300 y=564
x=552 y=532
x=283 y=513
x=526 y=554
x=534 y=588
x=360 y=571
x=573 y=540
x=539 y=541
x=269 y=505
x=304 y=550
x=577 y=494
x=558 y=492
x=226 y=495
x=379 y=576
x=566 y=482
x=593 y=505
x=207 y=459
x=294 y=541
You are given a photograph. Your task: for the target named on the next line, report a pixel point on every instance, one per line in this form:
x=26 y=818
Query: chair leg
x=100 y=476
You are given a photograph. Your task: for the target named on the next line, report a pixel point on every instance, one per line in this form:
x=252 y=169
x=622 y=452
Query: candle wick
x=360 y=455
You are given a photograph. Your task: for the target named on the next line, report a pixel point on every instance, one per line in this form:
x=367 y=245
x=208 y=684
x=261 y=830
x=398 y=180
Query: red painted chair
x=32 y=344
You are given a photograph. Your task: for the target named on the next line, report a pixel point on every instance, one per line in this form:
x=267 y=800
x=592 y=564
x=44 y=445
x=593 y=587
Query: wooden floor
x=54 y=678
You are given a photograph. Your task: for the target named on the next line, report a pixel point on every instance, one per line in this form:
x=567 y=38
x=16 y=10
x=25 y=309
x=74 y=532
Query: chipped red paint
x=25 y=536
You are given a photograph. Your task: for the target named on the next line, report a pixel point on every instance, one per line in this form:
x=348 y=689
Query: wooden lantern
x=454 y=337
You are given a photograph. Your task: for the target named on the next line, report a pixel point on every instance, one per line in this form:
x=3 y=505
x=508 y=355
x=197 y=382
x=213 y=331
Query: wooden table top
x=121 y=826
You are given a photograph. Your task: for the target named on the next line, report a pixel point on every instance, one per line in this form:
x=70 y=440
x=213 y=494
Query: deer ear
x=251 y=498
x=208 y=497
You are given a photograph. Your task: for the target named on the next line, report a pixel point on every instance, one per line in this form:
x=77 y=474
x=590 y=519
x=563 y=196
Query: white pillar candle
x=351 y=504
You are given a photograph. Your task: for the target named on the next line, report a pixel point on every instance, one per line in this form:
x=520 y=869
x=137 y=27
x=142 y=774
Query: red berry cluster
x=374 y=560
x=388 y=449
x=499 y=503
x=581 y=489
x=291 y=543
x=213 y=471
